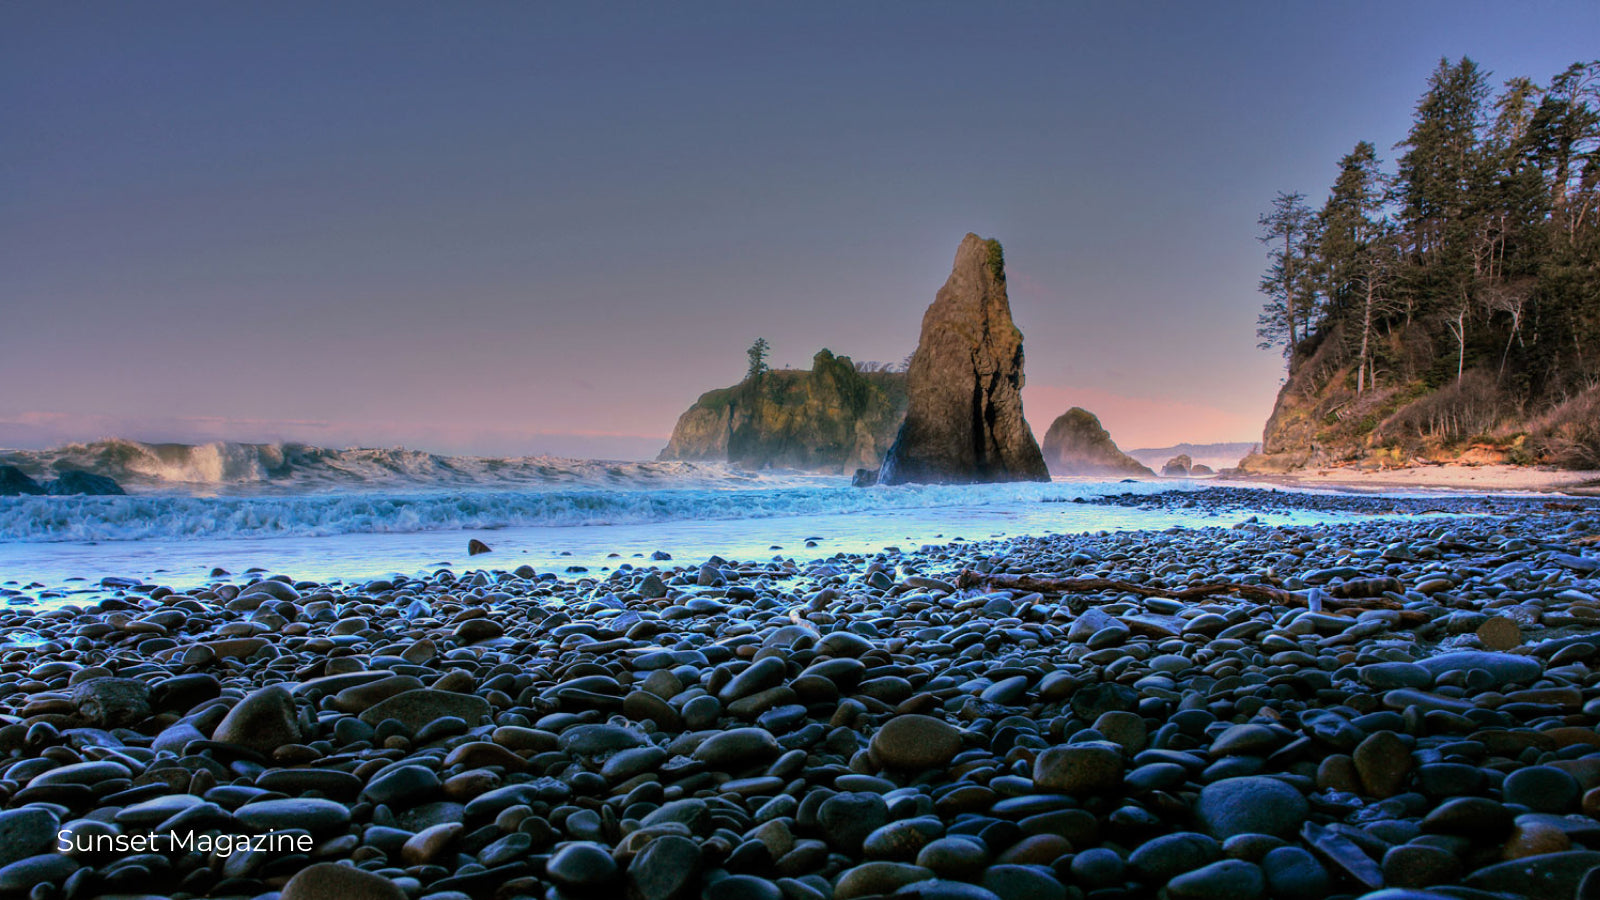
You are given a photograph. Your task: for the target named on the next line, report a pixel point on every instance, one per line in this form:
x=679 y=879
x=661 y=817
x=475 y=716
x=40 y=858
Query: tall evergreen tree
x=1480 y=252
x=1565 y=139
x=1287 y=232
x=757 y=355
x=1436 y=170
x=1349 y=223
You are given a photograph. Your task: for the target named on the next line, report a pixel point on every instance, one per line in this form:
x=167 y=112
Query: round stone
x=843 y=643
x=580 y=866
x=958 y=858
x=1157 y=860
x=1545 y=875
x=83 y=773
x=1531 y=837
x=1124 y=729
x=403 y=787
x=1294 y=872
x=1246 y=740
x=316 y=816
x=915 y=742
x=743 y=887
x=665 y=869
x=1503 y=668
x=1227 y=879
x=937 y=889
x=331 y=881
x=1251 y=804
x=430 y=843
x=847 y=819
x=1023 y=883
x=263 y=721
x=1389 y=676
x=1500 y=633
x=1469 y=817
x=1079 y=769
x=1382 y=762
x=1097 y=867
x=1542 y=789
x=25 y=832
x=736 y=749
x=873 y=878
x=416 y=709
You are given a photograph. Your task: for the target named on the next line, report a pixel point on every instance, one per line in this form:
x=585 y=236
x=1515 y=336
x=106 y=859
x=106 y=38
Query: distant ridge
x=1217 y=456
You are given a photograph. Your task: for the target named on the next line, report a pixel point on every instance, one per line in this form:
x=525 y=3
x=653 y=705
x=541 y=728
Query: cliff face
x=1325 y=416
x=830 y=419
x=1320 y=419
x=964 y=422
x=1077 y=444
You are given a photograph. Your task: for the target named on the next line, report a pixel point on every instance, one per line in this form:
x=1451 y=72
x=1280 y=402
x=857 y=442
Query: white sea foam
x=253 y=469
x=229 y=490
x=166 y=516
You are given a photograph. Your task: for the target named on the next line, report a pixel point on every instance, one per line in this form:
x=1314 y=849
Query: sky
x=520 y=228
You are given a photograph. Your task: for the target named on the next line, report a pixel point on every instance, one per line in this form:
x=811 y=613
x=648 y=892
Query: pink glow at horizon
x=1134 y=422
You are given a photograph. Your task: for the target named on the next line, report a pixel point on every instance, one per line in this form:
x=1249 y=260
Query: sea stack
x=964 y=420
x=1077 y=444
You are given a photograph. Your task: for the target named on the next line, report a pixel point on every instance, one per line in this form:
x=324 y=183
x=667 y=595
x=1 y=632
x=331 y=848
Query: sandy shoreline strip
x=1517 y=479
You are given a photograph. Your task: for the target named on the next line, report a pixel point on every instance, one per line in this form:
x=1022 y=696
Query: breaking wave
x=228 y=490
x=157 y=517
x=249 y=469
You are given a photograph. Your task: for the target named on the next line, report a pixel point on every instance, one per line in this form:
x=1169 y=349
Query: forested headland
x=1444 y=305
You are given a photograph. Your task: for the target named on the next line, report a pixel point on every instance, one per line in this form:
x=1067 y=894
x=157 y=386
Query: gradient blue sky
x=539 y=227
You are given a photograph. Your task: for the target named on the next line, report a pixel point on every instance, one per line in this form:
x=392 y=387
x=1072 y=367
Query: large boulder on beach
x=15 y=483
x=1077 y=444
x=964 y=420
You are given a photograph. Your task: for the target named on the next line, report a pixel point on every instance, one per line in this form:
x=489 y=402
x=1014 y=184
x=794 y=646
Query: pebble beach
x=1408 y=704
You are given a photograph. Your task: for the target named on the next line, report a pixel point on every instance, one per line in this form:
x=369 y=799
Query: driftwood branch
x=1260 y=593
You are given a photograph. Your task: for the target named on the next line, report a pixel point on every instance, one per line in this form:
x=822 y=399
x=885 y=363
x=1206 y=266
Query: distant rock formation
x=15 y=483
x=1218 y=455
x=1178 y=465
x=1201 y=469
x=1077 y=444
x=964 y=422
x=830 y=419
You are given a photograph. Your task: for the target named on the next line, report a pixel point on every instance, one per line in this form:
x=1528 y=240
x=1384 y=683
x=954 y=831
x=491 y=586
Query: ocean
x=350 y=515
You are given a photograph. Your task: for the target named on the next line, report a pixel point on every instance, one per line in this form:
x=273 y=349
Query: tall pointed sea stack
x=964 y=422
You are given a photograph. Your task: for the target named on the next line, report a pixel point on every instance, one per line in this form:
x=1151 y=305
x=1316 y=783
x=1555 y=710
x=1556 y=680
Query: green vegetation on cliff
x=1449 y=309
x=832 y=418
